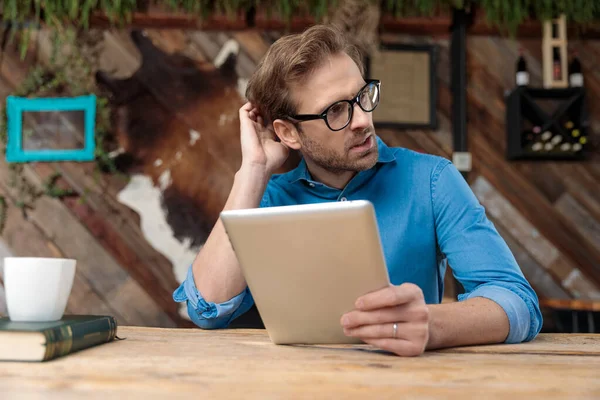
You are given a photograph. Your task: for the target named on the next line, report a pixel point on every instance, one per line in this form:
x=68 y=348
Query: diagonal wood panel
x=512 y=183
x=97 y=267
x=487 y=85
x=558 y=229
x=585 y=224
x=520 y=229
x=24 y=239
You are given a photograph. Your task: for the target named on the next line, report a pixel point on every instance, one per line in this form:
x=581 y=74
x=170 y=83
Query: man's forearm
x=470 y=322
x=216 y=269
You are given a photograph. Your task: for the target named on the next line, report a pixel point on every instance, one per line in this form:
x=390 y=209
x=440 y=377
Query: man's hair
x=289 y=61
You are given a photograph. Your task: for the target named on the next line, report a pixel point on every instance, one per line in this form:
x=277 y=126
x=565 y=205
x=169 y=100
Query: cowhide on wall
x=177 y=126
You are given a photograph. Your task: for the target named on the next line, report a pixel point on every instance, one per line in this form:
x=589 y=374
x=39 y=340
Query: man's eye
x=336 y=109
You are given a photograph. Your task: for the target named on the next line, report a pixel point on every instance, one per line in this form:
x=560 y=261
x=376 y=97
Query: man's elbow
x=206 y=323
x=537 y=321
x=532 y=313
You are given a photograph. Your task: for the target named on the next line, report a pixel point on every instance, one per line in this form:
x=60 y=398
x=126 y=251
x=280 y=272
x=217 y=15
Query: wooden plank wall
x=549 y=213
x=546 y=211
x=52 y=228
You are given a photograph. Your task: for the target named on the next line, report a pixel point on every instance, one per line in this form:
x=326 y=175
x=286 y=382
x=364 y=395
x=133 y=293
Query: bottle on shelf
x=565 y=146
x=537 y=146
x=575 y=74
x=522 y=75
x=546 y=136
x=556 y=65
x=556 y=139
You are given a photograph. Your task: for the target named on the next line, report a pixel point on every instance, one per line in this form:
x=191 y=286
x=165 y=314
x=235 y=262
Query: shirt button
x=343 y=199
x=311 y=184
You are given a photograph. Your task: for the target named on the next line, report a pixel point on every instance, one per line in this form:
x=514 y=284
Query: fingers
x=405 y=331
x=252 y=114
x=389 y=296
x=248 y=111
x=416 y=312
x=247 y=107
x=255 y=116
x=400 y=347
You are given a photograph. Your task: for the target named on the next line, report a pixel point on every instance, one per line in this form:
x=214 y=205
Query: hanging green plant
x=53 y=190
x=28 y=14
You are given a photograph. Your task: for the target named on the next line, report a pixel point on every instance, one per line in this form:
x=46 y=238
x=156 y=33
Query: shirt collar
x=386 y=155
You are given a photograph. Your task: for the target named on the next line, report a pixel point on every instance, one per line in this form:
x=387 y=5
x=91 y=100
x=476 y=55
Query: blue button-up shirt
x=428 y=218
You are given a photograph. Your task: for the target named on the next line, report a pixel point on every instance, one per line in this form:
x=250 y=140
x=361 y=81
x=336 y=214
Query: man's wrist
x=433 y=339
x=255 y=172
x=249 y=186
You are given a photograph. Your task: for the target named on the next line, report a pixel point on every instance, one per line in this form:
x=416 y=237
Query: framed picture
x=408 y=85
x=51 y=129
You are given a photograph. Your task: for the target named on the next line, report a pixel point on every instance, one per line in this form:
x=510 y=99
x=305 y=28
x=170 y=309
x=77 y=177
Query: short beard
x=334 y=162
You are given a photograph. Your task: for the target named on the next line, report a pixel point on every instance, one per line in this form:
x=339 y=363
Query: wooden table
x=191 y=363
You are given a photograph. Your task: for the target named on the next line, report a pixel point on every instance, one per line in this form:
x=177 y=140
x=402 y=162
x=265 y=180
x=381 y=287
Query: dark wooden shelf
x=567 y=122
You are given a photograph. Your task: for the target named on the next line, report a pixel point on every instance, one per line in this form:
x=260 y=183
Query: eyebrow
x=355 y=93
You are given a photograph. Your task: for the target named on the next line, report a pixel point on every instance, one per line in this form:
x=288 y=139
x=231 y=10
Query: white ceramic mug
x=37 y=289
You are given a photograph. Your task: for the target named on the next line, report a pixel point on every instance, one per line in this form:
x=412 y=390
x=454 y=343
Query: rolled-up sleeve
x=208 y=315
x=480 y=259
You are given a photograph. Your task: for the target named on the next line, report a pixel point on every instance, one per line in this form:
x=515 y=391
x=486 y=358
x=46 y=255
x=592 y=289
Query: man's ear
x=287 y=133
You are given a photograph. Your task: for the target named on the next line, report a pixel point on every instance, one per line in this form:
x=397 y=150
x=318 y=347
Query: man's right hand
x=259 y=145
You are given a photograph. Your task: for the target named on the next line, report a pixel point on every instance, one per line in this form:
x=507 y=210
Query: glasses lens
x=338 y=115
x=369 y=97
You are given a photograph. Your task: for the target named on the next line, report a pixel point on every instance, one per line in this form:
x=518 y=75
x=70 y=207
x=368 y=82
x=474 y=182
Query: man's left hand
x=395 y=319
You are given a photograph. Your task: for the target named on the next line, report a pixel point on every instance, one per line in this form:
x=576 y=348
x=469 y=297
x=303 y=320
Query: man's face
x=353 y=148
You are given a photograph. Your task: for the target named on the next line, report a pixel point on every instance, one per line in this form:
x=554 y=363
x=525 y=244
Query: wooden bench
x=575 y=306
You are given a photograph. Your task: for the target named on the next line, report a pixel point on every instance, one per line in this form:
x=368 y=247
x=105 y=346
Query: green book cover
x=43 y=341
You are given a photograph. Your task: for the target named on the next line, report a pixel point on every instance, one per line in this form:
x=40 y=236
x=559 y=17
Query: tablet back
x=307 y=264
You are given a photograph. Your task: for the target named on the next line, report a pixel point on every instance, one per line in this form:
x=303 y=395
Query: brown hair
x=290 y=60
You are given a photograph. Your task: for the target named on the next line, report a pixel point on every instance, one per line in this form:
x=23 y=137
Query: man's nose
x=360 y=119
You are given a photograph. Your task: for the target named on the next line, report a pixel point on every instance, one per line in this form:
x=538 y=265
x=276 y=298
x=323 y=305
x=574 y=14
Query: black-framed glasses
x=338 y=115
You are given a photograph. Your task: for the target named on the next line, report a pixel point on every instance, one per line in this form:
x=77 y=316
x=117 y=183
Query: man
x=309 y=94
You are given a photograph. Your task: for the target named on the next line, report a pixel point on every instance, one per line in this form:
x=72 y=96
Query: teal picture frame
x=15 y=106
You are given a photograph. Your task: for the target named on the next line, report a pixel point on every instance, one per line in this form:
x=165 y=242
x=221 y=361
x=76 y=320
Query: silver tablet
x=307 y=264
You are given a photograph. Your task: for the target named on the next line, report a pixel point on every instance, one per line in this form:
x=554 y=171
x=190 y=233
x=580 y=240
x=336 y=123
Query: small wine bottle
x=556 y=139
x=577 y=146
x=546 y=135
x=537 y=146
x=565 y=146
x=556 y=66
x=575 y=75
x=522 y=75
